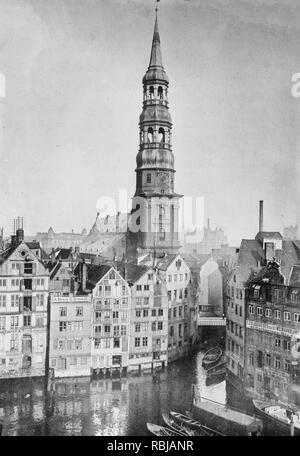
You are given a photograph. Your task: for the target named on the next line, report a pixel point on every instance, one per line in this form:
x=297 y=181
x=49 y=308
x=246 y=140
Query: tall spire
x=156 y=59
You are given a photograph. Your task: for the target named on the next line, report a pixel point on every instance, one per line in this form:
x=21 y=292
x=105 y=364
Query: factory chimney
x=261 y=216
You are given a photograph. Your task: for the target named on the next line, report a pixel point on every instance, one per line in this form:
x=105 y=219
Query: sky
x=69 y=121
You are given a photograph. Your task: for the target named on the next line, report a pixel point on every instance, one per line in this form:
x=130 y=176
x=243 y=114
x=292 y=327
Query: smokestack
x=261 y=216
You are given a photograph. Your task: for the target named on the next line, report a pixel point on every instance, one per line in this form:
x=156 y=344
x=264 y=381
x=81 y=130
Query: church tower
x=155 y=204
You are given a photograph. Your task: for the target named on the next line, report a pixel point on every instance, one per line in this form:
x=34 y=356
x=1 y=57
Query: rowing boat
x=162 y=431
x=212 y=357
x=194 y=424
x=179 y=427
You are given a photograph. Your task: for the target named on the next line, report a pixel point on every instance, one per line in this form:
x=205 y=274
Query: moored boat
x=212 y=357
x=278 y=416
x=216 y=377
x=178 y=427
x=194 y=424
x=162 y=431
x=226 y=419
x=218 y=368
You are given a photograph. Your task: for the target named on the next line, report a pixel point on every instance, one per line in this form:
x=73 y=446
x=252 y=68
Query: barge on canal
x=226 y=420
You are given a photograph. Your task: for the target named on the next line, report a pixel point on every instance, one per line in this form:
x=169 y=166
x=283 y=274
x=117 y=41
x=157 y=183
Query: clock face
x=162 y=178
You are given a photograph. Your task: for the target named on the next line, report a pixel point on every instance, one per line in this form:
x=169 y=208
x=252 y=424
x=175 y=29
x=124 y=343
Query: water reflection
x=105 y=407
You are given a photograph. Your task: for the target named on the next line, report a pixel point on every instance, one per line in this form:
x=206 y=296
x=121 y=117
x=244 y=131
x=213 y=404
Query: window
x=14 y=322
x=287 y=316
x=171 y=331
x=169 y=295
x=139 y=288
x=107 y=289
x=115 y=315
x=28 y=268
x=145 y=341
x=297 y=317
x=27 y=300
x=146 y=301
x=144 y=327
x=170 y=278
x=62 y=326
x=107 y=328
x=146 y=287
x=277 y=314
x=175 y=294
x=277 y=362
x=138 y=327
x=123 y=330
x=268 y=313
x=286 y=345
x=287 y=365
x=251 y=310
x=251 y=359
x=138 y=313
x=78 y=344
x=63 y=311
x=2 y=282
x=97 y=329
x=259 y=311
x=160 y=312
x=79 y=311
x=27 y=320
x=153 y=312
x=153 y=326
x=145 y=313
x=278 y=342
x=2 y=300
x=160 y=326
x=116 y=342
x=137 y=342
x=148 y=178
x=139 y=301
x=268 y=359
x=241 y=311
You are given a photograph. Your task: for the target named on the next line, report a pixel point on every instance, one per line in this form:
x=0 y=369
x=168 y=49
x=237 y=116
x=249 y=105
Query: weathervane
x=156 y=8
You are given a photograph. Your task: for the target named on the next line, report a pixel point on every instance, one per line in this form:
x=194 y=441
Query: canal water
x=106 y=407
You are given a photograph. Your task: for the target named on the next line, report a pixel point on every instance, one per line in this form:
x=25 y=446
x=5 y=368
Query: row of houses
x=263 y=318
x=79 y=314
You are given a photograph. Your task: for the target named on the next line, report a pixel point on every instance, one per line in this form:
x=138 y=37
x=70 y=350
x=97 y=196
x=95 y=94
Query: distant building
x=24 y=287
x=51 y=240
x=70 y=335
x=210 y=240
x=62 y=281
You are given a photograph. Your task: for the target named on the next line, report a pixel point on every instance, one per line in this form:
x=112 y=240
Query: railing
x=157 y=145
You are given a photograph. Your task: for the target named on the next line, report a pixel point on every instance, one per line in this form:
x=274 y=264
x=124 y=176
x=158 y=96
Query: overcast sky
x=69 y=121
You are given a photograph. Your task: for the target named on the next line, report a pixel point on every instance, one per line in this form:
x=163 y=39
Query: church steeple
x=155 y=58
x=155 y=161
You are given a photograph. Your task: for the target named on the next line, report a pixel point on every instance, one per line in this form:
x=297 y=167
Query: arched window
x=151 y=91
x=149 y=178
x=161 y=135
x=160 y=92
x=150 y=134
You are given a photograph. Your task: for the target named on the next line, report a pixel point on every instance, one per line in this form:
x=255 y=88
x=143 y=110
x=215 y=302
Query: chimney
x=261 y=216
x=19 y=235
x=83 y=275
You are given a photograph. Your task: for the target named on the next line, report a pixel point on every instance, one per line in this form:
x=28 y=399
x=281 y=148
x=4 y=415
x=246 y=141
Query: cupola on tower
x=155 y=203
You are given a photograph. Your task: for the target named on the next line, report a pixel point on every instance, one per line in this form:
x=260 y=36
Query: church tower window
x=160 y=92
x=161 y=135
x=151 y=92
x=150 y=134
x=148 y=178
